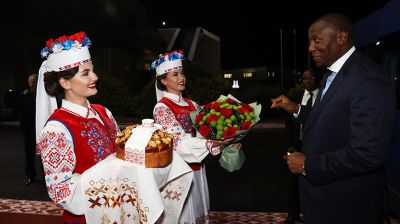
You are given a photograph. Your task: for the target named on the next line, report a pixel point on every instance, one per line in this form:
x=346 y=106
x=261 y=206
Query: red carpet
x=43 y=212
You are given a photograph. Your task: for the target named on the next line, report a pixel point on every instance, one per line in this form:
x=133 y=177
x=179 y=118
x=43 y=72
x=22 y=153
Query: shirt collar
x=315 y=92
x=174 y=97
x=337 y=65
x=77 y=109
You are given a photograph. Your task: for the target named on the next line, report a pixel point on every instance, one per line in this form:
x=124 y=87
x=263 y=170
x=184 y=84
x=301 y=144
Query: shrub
x=114 y=95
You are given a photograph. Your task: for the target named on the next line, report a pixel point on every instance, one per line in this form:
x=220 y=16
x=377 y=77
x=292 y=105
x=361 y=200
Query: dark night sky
x=250 y=30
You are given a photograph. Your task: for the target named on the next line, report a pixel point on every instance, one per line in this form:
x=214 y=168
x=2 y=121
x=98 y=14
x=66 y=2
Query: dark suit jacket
x=346 y=141
x=293 y=124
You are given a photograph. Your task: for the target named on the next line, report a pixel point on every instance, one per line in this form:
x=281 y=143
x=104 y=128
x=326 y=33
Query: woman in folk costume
x=79 y=134
x=172 y=111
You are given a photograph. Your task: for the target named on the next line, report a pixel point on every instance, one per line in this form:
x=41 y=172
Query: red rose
x=215 y=106
x=242 y=110
x=81 y=35
x=230 y=101
x=229 y=132
x=248 y=107
x=226 y=112
x=49 y=43
x=205 y=130
x=212 y=117
x=208 y=105
x=199 y=117
x=246 y=125
x=62 y=39
x=78 y=36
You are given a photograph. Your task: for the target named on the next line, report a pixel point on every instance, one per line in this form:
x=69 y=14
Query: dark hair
x=51 y=80
x=159 y=84
x=341 y=23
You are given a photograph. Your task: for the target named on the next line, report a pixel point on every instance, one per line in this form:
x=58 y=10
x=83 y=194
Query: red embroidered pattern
x=172 y=195
x=134 y=156
x=60 y=191
x=76 y=114
x=201 y=220
x=76 y=64
x=58 y=162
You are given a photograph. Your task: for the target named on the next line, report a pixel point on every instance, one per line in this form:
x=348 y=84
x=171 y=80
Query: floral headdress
x=168 y=62
x=66 y=52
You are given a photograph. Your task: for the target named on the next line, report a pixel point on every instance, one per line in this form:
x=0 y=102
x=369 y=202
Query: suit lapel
x=319 y=106
x=337 y=82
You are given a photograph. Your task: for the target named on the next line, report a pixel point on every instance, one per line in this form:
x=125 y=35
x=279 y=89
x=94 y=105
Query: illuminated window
x=247 y=74
x=228 y=76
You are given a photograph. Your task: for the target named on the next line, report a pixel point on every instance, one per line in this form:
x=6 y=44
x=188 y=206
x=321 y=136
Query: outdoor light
x=235 y=84
x=163 y=23
x=247 y=74
x=228 y=75
x=10 y=90
x=377 y=43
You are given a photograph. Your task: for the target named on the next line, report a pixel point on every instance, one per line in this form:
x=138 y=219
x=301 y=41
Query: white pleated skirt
x=197 y=204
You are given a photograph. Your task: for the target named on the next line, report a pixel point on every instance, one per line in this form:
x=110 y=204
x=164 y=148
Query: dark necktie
x=309 y=101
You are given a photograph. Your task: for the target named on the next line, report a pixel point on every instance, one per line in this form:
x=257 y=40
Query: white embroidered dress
x=59 y=160
x=192 y=150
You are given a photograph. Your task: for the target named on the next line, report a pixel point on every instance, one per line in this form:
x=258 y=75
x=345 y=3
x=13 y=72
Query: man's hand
x=295 y=162
x=283 y=102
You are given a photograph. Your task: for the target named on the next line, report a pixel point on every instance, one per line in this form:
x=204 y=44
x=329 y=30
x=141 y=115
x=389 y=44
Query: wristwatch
x=303 y=171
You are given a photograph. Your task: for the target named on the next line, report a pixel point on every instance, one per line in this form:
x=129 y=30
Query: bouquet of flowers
x=226 y=118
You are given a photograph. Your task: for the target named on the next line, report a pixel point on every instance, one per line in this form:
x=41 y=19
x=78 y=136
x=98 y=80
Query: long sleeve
x=117 y=130
x=191 y=149
x=57 y=151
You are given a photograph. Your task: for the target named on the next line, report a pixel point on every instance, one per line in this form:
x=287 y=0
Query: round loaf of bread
x=158 y=152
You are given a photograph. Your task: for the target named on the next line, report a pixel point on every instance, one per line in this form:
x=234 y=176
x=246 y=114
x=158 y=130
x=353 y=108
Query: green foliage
x=144 y=102
x=206 y=89
x=114 y=95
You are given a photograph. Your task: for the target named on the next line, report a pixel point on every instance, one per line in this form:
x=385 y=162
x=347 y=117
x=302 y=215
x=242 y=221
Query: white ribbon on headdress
x=159 y=93
x=45 y=104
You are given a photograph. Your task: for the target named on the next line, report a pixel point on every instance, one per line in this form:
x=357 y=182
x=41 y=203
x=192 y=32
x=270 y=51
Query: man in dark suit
x=311 y=79
x=27 y=120
x=347 y=135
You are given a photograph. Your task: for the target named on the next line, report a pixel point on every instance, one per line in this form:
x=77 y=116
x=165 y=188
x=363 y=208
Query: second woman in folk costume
x=172 y=111
x=78 y=135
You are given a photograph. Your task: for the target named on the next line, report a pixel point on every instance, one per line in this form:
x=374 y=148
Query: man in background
x=311 y=79
x=27 y=119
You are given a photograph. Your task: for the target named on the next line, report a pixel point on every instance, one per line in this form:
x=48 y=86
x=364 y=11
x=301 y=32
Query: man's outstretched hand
x=283 y=102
